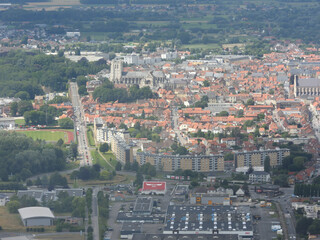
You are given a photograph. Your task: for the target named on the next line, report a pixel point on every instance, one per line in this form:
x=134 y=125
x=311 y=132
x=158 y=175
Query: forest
x=21 y=157
x=24 y=73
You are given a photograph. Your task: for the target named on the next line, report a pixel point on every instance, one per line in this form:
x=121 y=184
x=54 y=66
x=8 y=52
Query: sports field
x=52 y=135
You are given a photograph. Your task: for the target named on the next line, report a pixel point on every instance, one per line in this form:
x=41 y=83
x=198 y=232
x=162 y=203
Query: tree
x=181 y=151
x=66 y=123
x=14 y=109
x=118 y=166
x=104 y=147
x=302 y=225
x=24 y=106
x=74 y=150
x=250 y=102
x=13 y=206
x=139 y=179
x=267 y=166
x=206 y=83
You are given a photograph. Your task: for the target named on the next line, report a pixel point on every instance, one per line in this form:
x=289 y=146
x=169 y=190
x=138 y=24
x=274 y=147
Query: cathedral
x=153 y=79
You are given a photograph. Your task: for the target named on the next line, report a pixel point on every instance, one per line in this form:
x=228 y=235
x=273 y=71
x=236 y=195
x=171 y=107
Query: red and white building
x=154 y=188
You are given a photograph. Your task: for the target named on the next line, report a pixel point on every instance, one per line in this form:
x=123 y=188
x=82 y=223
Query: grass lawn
x=97 y=159
x=50 y=136
x=20 y=122
x=10 y=222
x=116 y=180
x=110 y=157
x=90 y=137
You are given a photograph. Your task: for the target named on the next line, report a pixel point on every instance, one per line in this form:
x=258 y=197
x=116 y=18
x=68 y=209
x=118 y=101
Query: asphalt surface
x=95 y=214
x=80 y=126
x=286 y=210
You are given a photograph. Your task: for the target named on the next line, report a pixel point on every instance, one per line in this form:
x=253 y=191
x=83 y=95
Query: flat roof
x=35 y=212
x=143 y=204
x=144 y=236
x=208 y=218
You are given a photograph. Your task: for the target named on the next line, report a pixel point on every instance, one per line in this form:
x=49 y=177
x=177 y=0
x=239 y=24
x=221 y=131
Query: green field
x=50 y=136
x=111 y=158
x=97 y=159
x=203 y=46
x=20 y=121
x=90 y=137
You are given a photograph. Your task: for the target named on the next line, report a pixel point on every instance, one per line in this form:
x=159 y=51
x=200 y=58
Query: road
x=175 y=117
x=286 y=208
x=95 y=214
x=80 y=126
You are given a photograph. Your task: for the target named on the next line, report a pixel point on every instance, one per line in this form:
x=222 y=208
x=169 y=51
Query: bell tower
x=116 y=71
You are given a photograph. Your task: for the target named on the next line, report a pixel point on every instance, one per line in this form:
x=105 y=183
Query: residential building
x=256 y=158
x=259 y=177
x=170 y=163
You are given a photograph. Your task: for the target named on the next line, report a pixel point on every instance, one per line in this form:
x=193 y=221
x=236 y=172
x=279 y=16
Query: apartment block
x=170 y=163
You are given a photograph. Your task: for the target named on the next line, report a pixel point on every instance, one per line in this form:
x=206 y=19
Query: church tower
x=116 y=71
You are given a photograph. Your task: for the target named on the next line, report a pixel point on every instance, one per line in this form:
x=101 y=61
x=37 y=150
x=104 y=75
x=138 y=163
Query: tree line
x=108 y=93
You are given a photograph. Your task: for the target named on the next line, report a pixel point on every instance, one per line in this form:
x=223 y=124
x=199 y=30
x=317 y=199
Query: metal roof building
x=36 y=216
x=210 y=220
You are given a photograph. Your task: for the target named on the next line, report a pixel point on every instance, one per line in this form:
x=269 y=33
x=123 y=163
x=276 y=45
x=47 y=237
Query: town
x=155 y=140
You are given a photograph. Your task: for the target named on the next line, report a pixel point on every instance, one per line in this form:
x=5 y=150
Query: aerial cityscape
x=159 y=119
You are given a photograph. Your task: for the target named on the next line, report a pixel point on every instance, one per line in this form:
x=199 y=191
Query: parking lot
x=262 y=227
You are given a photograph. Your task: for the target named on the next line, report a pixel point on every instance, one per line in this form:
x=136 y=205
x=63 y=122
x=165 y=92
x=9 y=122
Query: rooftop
x=34 y=212
x=207 y=219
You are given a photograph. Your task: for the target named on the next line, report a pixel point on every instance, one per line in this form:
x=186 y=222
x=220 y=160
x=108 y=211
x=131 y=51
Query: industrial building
x=143 y=206
x=128 y=229
x=223 y=220
x=36 y=216
x=144 y=236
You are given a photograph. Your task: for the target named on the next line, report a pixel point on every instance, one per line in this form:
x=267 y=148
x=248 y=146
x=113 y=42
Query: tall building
x=257 y=158
x=170 y=163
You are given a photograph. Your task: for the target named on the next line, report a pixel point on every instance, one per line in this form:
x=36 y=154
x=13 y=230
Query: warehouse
x=36 y=216
x=209 y=220
x=143 y=206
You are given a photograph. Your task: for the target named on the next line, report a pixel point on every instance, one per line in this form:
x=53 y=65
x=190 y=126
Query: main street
x=80 y=126
x=175 y=117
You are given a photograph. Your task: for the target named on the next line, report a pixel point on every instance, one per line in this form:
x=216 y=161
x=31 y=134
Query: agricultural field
x=50 y=135
x=52 y=4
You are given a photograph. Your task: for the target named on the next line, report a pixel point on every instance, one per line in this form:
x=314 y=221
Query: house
x=260 y=177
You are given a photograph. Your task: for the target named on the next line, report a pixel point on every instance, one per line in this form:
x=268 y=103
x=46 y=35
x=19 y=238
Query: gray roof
x=309 y=82
x=30 y=193
x=158 y=74
x=34 y=212
x=135 y=74
x=143 y=204
x=75 y=192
